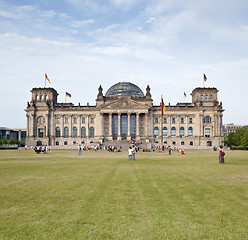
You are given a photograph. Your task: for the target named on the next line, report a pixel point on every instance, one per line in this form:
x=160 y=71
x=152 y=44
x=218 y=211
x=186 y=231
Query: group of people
x=131 y=153
x=39 y=149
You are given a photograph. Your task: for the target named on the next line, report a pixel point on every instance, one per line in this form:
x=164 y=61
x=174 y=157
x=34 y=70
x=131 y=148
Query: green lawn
x=102 y=195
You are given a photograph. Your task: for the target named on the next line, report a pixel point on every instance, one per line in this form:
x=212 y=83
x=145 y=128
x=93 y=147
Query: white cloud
x=83 y=23
x=151 y=19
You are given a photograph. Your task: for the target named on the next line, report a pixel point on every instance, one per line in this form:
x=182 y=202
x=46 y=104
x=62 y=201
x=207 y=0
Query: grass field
x=102 y=195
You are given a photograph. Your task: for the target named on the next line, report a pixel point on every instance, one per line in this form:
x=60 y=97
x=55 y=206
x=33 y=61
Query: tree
x=244 y=140
x=5 y=140
x=1 y=141
x=11 y=141
x=17 y=141
x=22 y=142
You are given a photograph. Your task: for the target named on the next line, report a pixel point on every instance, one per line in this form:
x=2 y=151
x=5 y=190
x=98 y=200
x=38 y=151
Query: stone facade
x=122 y=114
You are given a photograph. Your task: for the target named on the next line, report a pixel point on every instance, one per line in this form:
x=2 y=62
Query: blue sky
x=80 y=44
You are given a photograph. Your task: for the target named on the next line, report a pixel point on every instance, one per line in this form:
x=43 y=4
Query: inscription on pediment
x=124 y=104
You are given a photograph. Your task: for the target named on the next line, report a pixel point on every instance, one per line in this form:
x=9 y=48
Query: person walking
x=79 y=150
x=169 y=150
x=130 y=153
x=133 y=153
x=221 y=155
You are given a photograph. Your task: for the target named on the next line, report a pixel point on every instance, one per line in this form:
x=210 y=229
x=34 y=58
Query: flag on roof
x=185 y=95
x=67 y=94
x=46 y=77
x=204 y=77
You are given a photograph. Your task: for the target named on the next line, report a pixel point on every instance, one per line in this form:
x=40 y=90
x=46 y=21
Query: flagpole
x=45 y=80
x=65 y=97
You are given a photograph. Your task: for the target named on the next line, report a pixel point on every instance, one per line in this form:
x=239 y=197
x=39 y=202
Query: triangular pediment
x=125 y=103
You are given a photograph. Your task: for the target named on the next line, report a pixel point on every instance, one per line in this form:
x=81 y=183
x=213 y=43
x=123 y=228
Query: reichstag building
x=122 y=114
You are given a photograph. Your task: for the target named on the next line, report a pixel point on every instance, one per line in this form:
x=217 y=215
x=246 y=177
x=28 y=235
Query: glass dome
x=124 y=89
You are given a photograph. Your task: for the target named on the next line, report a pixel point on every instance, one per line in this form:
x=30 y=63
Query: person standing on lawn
x=130 y=153
x=221 y=155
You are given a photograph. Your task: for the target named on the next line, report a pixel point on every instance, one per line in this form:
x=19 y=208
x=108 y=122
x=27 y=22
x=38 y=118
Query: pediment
x=125 y=103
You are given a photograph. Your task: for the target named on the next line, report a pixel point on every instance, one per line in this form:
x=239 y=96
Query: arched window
x=57 y=132
x=156 y=132
x=207 y=119
x=164 y=131
x=41 y=120
x=66 y=132
x=74 y=132
x=181 y=132
x=92 y=132
x=173 y=132
x=83 y=132
x=190 y=132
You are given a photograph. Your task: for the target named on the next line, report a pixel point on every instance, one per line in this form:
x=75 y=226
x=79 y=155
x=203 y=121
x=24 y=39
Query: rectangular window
x=40 y=132
x=92 y=120
x=83 y=120
x=190 y=120
x=57 y=120
x=165 y=120
x=66 y=120
x=74 y=120
x=207 y=132
x=173 y=120
x=156 y=120
x=182 y=120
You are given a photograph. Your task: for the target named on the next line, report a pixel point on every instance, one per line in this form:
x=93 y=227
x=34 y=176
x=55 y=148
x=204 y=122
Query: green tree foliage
x=244 y=140
x=240 y=138
x=5 y=140
x=22 y=142
x=11 y=141
x=1 y=141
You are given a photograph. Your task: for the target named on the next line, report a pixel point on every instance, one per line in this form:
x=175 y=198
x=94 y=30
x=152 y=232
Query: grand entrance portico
x=125 y=125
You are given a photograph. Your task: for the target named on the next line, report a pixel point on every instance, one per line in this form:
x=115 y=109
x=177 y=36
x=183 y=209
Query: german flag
x=67 y=94
x=204 y=77
x=46 y=77
x=163 y=107
x=185 y=95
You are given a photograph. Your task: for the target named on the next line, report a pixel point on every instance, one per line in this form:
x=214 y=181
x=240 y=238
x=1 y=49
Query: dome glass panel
x=124 y=89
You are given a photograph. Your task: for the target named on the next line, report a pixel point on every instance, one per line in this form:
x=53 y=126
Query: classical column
x=119 y=127
x=47 y=126
x=27 y=132
x=137 y=126
x=169 y=127
x=146 y=125
x=102 y=134
x=34 y=124
x=110 y=125
x=128 y=126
